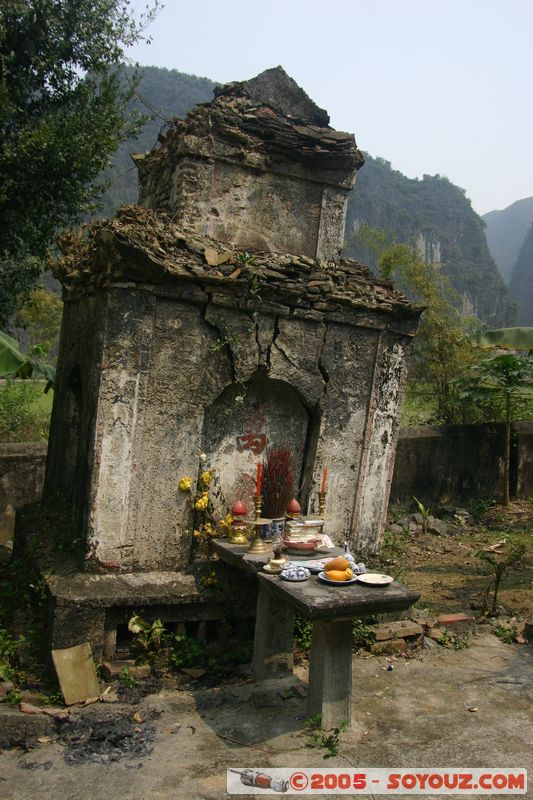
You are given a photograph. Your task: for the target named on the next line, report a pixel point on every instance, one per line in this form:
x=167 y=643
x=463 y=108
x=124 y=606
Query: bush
x=22 y=417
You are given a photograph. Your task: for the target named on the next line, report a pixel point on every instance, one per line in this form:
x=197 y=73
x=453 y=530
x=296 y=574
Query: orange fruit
x=338 y=563
x=339 y=575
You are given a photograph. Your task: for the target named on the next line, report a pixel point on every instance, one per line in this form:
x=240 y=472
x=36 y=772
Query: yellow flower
x=208 y=529
x=227 y=522
x=201 y=502
x=206 y=477
x=185 y=484
x=196 y=534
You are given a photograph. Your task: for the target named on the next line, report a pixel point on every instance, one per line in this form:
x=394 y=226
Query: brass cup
x=258 y=545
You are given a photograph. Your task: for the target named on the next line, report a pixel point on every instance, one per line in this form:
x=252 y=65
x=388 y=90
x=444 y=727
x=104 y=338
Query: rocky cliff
x=522 y=280
x=435 y=216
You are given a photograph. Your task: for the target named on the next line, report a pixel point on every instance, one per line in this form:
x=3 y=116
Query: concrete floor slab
x=413 y=716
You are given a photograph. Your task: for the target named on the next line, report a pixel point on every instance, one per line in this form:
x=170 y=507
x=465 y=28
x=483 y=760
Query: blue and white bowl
x=293 y=573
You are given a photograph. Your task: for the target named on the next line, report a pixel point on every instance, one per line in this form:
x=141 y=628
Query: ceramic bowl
x=295 y=574
x=305 y=546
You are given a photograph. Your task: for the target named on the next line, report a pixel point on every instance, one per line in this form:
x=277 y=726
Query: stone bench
x=89 y=607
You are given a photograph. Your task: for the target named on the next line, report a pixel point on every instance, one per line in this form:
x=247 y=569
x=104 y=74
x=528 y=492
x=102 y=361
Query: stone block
x=459 y=623
x=273 y=641
x=397 y=630
x=390 y=646
x=436 y=634
x=73 y=625
x=112 y=670
x=16 y=729
x=425 y=622
x=330 y=672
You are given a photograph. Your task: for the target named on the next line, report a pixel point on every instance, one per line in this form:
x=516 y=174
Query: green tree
x=63 y=111
x=441 y=350
x=40 y=318
x=504 y=376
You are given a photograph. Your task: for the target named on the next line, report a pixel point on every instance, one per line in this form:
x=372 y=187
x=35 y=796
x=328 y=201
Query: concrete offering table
x=331 y=609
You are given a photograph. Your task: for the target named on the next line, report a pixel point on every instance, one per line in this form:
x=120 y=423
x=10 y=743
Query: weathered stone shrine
x=217 y=317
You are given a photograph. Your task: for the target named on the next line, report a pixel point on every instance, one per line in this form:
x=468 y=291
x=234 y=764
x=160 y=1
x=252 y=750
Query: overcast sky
x=434 y=86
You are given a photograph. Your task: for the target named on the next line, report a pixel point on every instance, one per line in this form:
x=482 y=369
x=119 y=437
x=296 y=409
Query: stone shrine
x=212 y=319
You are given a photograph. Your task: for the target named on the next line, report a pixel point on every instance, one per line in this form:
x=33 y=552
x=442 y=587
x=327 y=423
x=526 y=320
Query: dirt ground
x=449 y=576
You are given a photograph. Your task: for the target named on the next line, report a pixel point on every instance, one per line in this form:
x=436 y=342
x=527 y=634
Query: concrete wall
x=21 y=480
x=455 y=463
x=524 y=458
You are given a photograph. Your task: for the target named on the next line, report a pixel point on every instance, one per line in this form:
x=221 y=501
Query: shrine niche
x=240 y=425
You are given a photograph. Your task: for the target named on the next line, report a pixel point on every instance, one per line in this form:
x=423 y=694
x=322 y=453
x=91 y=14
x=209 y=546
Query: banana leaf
x=504 y=338
x=11 y=359
x=15 y=364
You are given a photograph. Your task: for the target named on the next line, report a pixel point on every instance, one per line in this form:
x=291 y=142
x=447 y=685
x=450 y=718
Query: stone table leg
x=273 y=639
x=330 y=672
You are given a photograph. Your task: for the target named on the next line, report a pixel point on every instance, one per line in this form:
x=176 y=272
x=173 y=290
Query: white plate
x=272 y=571
x=375 y=579
x=312 y=566
x=322 y=576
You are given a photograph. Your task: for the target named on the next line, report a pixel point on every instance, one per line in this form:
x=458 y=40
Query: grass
x=24 y=411
x=419 y=408
x=42 y=403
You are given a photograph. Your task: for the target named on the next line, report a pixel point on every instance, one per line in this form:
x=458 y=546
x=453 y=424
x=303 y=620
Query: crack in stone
x=255 y=321
x=282 y=351
x=226 y=346
x=321 y=367
x=275 y=335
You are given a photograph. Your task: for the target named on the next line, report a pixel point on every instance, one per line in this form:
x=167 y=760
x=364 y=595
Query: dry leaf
x=473 y=709
x=44 y=739
x=495 y=547
x=90 y=700
x=137 y=717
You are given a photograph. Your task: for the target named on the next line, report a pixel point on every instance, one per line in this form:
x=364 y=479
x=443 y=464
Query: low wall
x=455 y=463
x=448 y=463
x=439 y=464
x=21 y=480
x=524 y=458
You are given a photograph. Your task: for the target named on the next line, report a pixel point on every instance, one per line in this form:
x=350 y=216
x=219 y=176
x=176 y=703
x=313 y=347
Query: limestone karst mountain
x=522 y=280
x=506 y=231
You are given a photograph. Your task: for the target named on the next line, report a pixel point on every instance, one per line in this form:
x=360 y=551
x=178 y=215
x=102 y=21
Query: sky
x=433 y=86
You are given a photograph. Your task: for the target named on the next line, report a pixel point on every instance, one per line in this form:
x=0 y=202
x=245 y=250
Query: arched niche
x=241 y=423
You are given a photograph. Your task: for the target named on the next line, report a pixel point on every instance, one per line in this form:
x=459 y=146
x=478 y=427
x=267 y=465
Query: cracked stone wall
x=252 y=208
x=175 y=374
